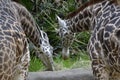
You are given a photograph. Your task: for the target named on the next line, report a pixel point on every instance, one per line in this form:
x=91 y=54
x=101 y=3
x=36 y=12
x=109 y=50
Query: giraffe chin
x=65 y=53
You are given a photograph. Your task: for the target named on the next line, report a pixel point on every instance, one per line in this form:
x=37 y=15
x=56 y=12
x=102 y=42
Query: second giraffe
x=103 y=21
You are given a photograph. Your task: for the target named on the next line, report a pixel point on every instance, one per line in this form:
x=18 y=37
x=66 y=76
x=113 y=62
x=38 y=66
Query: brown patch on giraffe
x=118 y=34
x=1 y=59
x=6 y=77
x=1 y=76
x=6 y=57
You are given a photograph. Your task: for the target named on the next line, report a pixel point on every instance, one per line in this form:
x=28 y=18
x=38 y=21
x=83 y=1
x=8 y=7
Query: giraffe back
x=86 y=4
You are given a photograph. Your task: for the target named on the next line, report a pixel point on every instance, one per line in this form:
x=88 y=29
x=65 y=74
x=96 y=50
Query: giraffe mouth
x=65 y=53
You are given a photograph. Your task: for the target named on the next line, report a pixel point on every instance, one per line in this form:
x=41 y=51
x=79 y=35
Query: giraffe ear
x=61 y=22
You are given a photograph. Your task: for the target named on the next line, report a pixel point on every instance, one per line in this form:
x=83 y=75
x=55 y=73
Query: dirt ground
x=73 y=74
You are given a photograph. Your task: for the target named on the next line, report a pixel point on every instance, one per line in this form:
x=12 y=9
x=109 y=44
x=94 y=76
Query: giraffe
x=102 y=19
x=70 y=35
x=38 y=37
x=14 y=52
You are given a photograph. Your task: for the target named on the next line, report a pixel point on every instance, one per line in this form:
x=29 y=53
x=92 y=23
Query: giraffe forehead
x=62 y=31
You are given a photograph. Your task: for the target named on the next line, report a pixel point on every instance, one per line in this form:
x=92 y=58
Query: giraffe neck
x=86 y=4
x=29 y=25
x=84 y=20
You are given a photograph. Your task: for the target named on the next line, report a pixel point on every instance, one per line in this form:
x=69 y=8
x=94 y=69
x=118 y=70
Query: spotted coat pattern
x=37 y=36
x=103 y=21
x=16 y=24
x=14 y=52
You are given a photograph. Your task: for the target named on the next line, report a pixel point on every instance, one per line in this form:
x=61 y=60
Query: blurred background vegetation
x=44 y=12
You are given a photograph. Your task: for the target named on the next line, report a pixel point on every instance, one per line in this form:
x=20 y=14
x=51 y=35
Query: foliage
x=45 y=15
x=35 y=64
x=81 y=60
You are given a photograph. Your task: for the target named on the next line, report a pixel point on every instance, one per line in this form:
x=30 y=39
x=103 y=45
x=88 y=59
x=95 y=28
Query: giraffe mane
x=86 y=4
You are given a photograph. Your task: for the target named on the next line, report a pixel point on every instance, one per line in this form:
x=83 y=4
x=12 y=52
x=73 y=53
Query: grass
x=35 y=65
x=80 y=60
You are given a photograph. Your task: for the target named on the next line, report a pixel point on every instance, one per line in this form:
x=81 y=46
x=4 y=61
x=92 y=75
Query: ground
x=73 y=74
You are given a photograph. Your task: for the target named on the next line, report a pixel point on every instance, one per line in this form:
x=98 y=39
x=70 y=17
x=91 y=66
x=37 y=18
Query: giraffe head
x=66 y=36
x=45 y=45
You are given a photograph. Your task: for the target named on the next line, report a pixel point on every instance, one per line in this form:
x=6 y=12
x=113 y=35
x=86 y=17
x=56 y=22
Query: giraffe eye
x=63 y=30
